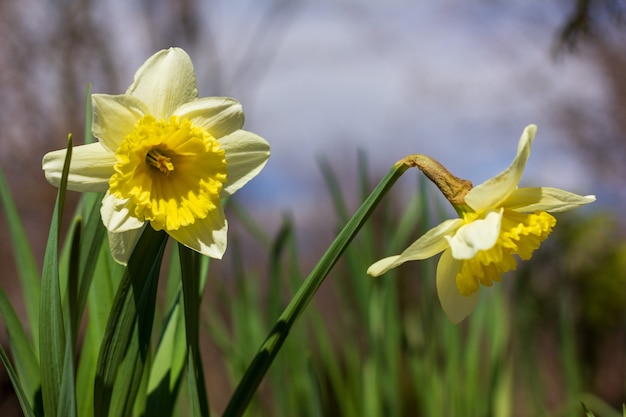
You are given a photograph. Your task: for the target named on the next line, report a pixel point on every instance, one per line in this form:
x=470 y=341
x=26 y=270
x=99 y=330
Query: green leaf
x=130 y=377
x=72 y=284
x=168 y=364
x=51 y=331
x=93 y=237
x=171 y=353
x=190 y=272
x=19 y=391
x=274 y=341
x=284 y=236
x=95 y=265
x=106 y=278
x=588 y=413
x=88 y=115
x=23 y=354
x=95 y=232
x=24 y=259
x=129 y=328
x=67 y=403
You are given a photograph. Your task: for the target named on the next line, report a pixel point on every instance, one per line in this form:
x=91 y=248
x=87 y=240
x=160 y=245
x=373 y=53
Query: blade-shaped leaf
x=169 y=362
x=52 y=331
x=24 y=259
x=26 y=363
x=171 y=354
x=94 y=236
x=88 y=114
x=190 y=271
x=67 y=401
x=132 y=371
x=19 y=391
x=274 y=341
x=131 y=317
x=106 y=278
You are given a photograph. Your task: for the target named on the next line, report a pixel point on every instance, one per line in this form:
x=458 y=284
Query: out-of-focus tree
x=50 y=50
x=601 y=133
x=588 y=19
x=595 y=30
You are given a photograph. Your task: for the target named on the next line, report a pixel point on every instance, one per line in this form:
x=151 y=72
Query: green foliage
x=21 y=395
x=110 y=376
x=124 y=350
x=274 y=341
x=369 y=351
x=192 y=286
x=383 y=346
x=363 y=347
x=340 y=342
x=57 y=374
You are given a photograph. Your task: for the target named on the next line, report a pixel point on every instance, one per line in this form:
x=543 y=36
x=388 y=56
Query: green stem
x=190 y=272
x=268 y=351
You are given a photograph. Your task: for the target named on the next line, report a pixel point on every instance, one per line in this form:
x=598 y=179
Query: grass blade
x=94 y=235
x=19 y=391
x=67 y=403
x=24 y=259
x=171 y=352
x=169 y=362
x=190 y=272
x=276 y=280
x=170 y=356
x=268 y=351
x=88 y=115
x=129 y=325
x=26 y=363
x=100 y=300
x=52 y=331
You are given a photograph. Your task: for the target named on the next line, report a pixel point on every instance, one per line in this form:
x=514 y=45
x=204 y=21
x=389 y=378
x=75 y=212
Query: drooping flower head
x=164 y=157
x=499 y=222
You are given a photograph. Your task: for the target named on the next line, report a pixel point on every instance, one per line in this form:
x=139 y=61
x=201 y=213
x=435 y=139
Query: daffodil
x=164 y=157
x=498 y=223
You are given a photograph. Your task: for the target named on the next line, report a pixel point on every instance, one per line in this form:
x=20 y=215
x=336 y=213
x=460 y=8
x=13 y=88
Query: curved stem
x=274 y=341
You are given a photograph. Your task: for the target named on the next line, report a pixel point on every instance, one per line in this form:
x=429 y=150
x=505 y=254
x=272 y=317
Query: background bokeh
x=457 y=80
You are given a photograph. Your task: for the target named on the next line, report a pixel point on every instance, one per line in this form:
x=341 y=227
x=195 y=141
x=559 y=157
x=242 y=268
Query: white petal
x=478 y=235
x=116 y=217
x=114 y=117
x=429 y=244
x=456 y=306
x=90 y=168
x=380 y=267
x=165 y=82
x=527 y=200
x=220 y=116
x=207 y=236
x=122 y=244
x=494 y=191
x=246 y=154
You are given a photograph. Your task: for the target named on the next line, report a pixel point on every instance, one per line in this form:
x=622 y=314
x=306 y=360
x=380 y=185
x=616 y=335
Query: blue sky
x=452 y=79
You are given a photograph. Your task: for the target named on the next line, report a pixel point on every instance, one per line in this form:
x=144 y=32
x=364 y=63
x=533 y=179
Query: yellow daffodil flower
x=164 y=157
x=498 y=221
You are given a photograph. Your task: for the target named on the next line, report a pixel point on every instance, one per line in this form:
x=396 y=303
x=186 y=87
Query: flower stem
x=272 y=344
x=453 y=188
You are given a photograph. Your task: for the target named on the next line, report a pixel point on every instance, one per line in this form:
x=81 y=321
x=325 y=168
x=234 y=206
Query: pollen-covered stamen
x=160 y=161
x=169 y=201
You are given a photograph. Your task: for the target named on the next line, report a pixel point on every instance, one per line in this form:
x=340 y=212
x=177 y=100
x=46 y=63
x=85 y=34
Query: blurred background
x=335 y=86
